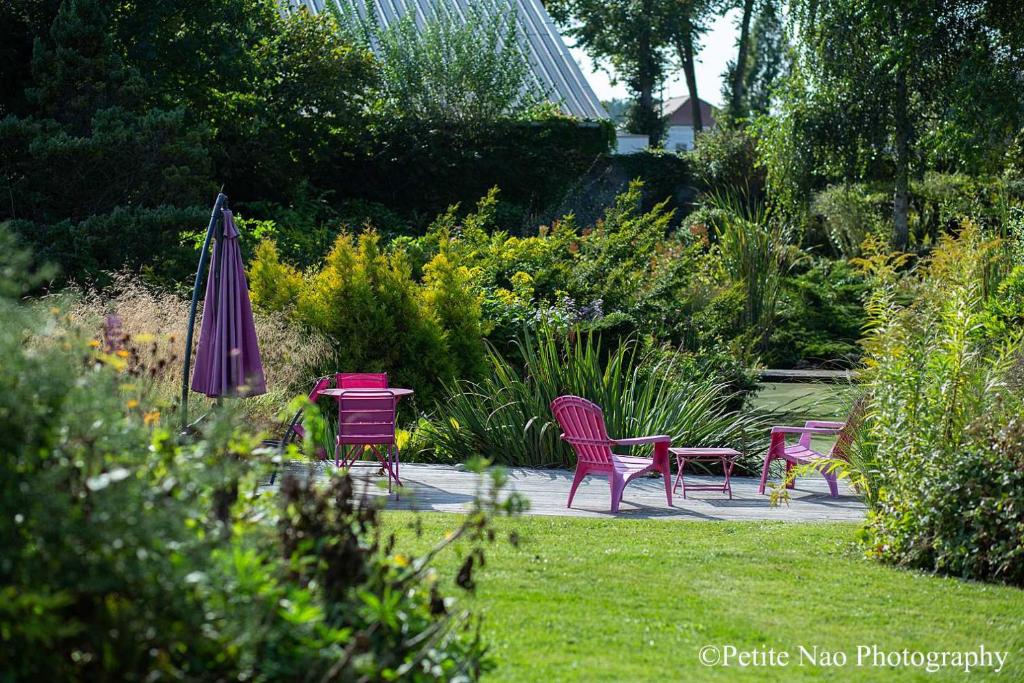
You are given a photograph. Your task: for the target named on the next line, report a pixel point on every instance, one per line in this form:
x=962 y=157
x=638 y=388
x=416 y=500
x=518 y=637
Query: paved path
x=443 y=488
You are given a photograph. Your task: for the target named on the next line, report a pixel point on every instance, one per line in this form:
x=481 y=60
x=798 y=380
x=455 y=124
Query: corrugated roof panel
x=554 y=69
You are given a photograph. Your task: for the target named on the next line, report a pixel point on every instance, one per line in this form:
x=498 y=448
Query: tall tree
x=742 y=45
x=897 y=81
x=687 y=22
x=631 y=37
x=768 y=63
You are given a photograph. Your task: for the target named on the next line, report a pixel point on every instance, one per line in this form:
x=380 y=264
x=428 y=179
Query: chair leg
x=618 y=485
x=581 y=472
x=764 y=472
x=833 y=484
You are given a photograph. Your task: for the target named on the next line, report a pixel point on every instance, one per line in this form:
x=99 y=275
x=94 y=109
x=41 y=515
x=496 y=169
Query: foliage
x=943 y=437
x=375 y=314
x=766 y=67
x=447 y=68
x=167 y=563
x=725 y=160
x=419 y=169
x=88 y=115
x=633 y=38
x=755 y=253
x=921 y=85
x=508 y=414
x=848 y=215
x=820 y=317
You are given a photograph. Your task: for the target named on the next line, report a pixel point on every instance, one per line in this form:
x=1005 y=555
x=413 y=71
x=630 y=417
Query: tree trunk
x=741 y=59
x=686 y=54
x=901 y=199
x=646 y=81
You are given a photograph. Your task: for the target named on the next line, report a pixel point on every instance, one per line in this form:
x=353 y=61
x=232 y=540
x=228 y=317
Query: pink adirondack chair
x=801 y=452
x=366 y=420
x=583 y=428
x=362 y=380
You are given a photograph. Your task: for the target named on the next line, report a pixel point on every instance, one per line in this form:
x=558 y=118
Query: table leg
x=727 y=464
x=680 y=465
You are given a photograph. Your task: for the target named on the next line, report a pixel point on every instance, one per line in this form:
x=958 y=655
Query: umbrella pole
x=215 y=218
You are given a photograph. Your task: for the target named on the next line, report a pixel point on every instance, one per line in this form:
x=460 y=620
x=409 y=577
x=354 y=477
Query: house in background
x=679 y=128
x=555 y=71
x=679 y=133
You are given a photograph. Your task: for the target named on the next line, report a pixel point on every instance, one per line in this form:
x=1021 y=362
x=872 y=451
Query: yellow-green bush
x=378 y=317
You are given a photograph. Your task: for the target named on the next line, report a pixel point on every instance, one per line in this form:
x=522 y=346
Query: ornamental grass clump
x=507 y=416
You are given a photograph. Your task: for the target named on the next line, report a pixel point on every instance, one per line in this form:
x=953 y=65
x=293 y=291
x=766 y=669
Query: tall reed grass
x=507 y=416
x=150 y=324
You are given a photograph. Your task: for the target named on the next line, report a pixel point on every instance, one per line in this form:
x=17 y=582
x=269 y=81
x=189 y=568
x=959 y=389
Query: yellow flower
x=122 y=353
x=401 y=560
x=132 y=403
x=94 y=343
x=152 y=417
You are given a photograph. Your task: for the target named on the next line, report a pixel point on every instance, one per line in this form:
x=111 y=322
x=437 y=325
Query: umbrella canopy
x=228 y=357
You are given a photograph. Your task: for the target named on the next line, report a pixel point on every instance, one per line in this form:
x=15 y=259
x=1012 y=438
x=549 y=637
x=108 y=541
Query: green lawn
x=635 y=600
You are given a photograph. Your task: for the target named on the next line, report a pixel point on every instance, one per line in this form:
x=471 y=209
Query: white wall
x=679 y=138
x=630 y=143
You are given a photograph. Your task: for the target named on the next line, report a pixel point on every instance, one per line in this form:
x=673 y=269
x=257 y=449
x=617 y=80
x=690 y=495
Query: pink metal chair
x=294 y=430
x=366 y=420
x=362 y=380
x=801 y=453
x=583 y=428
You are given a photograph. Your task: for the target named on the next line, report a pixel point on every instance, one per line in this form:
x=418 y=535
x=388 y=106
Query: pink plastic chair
x=366 y=420
x=583 y=428
x=362 y=380
x=801 y=452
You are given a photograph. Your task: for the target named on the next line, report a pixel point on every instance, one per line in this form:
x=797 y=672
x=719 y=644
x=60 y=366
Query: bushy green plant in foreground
x=941 y=454
x=130 y=554
x=507 y=416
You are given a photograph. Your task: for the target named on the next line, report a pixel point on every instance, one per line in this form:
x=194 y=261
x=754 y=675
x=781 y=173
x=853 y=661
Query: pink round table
x=397 y=392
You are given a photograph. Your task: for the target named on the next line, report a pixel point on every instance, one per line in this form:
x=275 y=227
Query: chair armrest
x=641 y=440
x=804 y=430
x=825 y=424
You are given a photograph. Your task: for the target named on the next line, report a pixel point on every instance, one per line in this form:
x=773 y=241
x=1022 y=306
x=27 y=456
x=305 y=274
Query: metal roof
x=557 y=73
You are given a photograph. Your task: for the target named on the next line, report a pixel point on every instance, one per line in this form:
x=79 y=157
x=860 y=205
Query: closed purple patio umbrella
x=228 y=356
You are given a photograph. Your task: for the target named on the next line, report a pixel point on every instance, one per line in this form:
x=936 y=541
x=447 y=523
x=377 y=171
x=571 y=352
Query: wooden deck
x=443 y=488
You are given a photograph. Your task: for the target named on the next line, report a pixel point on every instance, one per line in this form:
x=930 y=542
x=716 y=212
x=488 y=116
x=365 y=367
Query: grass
x=635 y=600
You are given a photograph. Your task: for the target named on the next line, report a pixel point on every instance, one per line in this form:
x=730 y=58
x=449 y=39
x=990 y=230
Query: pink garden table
x=397 y=392
x=726 y=456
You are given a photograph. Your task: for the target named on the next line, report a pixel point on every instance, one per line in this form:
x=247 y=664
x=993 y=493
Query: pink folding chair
x=366 y=420
x=294 y=430
x=362 y=380
x=583 y=428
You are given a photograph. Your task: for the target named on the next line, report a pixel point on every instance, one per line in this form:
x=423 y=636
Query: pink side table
x=726 y=456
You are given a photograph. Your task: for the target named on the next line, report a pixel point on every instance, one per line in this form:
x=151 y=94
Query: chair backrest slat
x=362 y=380
x=846 y=435
x=583 y=427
